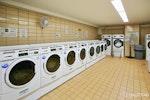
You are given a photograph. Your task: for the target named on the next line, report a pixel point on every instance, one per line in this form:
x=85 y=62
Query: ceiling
x=97 y=12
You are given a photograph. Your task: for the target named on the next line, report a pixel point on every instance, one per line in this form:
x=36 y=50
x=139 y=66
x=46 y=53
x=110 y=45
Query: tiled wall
x=59 y=29
x=113 y=29
x=144 y=30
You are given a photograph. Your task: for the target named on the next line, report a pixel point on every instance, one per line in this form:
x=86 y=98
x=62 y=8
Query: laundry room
x=74 y=49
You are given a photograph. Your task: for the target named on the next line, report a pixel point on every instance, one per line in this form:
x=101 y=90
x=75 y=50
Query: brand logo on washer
x=4 y=65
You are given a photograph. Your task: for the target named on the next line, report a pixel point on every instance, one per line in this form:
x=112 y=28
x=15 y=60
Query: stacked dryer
x=108 y=39
x=118 y=45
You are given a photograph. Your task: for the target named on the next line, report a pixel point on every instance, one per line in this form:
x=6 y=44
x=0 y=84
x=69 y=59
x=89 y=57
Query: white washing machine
x=19 y=72
x=98 y=50
x=52 y=63
x=83 y=53
x=91 y=53
x=71 y=57
x=108 y=39
x=147 y=45
x=103 y=46
x=118 y=45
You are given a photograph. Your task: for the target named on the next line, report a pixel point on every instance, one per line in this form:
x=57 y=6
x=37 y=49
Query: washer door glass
x=91 y=51
x=102 y=48
x=82 y=54
x=22 y=73
x=71 y=57
x=108 y=42
x=105 y=46
x=118 y=43
x=53 y=63
x=148 y=45
x=98 y=49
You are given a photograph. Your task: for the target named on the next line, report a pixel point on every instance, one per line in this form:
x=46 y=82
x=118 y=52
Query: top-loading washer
x=91 y=53
x=118 y=45
x=71 y=58
x=108 y=39
x=52 y=63
x=19 y=72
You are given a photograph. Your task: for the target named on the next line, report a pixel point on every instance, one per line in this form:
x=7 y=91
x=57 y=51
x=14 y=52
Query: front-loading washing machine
x=103 y=46
x=91 y=53
x=19 y=72
x=98 y=50
x=82 y=53
x=118 y=45
x=52 y=63
x=71 y=58
x=147 y=45
x=108 y=39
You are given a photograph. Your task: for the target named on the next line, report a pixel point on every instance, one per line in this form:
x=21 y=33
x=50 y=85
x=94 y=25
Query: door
x=91 y=51
x=118 y=43
x=71 y=57
x=53 y=63
x=82 y=54
x=20 y=73
x=148 y=45
x=98 y=49
x=108 y=42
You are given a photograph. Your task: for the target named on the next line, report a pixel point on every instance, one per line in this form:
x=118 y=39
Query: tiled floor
x=109 y=79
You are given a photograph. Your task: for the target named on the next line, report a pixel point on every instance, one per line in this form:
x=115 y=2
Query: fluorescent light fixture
x=120 y=9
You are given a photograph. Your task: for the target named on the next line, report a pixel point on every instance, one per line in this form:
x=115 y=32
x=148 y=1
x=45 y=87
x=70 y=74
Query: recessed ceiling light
x=120 y=9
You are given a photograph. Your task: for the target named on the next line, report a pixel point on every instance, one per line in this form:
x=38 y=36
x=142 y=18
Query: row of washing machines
x=30 y=71
x=115 y=44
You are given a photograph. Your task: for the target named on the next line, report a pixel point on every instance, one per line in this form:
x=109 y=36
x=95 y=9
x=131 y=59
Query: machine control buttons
x=5 y=65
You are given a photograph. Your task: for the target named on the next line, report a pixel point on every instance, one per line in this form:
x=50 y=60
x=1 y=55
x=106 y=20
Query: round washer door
x=102 y=48
x=53 y=63
x=20 y=73
x=91 y=51
x=148 y=45
x=105 y=47
x=71 y=57
x=98 y=49
x=108 y=42
x=82 y=54
x=118 y=43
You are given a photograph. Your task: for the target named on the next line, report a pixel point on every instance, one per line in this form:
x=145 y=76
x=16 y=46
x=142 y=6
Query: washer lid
x=118 y=43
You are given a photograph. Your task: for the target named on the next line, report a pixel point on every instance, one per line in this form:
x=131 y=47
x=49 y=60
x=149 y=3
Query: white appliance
x=83 y=53
x=103 y=46
x=19 y=72
x=91 y=53
x=52 y=63
x=108 y=39
x=118 y=45
x=98 y=50
x=71 y=58
x=147 y=45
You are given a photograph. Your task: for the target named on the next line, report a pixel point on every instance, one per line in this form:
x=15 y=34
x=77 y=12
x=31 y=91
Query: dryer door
x=118 y=43
x=82 y=54
x=20 y=73
x=91 y=51
x=53 y=63
x=71 y=57
x=98 y=49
